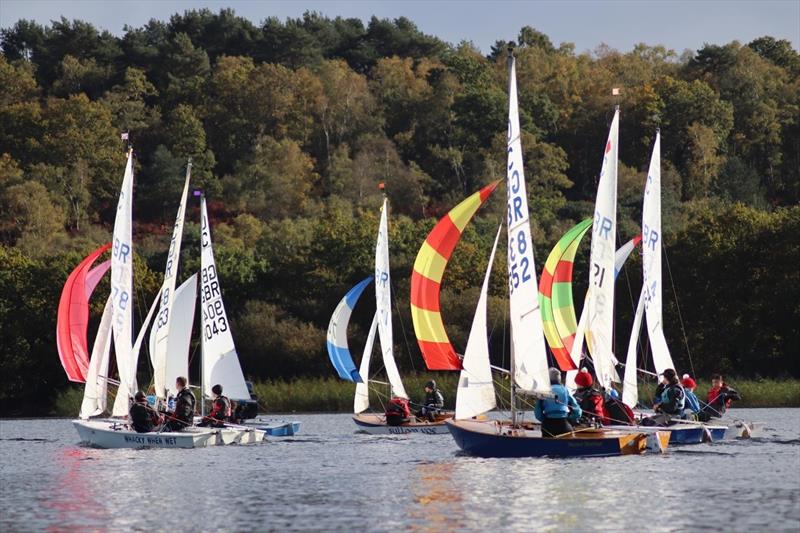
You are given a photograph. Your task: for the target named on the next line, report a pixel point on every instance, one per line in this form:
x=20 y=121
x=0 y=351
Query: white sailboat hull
x=114 y=434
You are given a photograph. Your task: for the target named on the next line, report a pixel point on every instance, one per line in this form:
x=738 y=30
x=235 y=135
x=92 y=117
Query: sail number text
x=214 y=318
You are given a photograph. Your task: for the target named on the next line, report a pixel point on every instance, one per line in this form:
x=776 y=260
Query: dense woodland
x=292 y=124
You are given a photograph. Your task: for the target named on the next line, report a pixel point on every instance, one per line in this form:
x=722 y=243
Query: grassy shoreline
x=330 y=395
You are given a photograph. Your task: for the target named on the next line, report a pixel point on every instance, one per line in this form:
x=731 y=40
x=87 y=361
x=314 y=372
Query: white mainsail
x=475 y=394
x=160 y=333
x=95 y=391
x=600 y=318
x=651 y=260
x=577 y=345
x=180 y=333
x=383 y=300
x=220 y=361
x=122 y=292
x=361 y=400
x=630 y=383
x=527 y=334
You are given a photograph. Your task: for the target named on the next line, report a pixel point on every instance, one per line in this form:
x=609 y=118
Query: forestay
x=220 y=361
x=475 y=393
x=161 y=329
x=651 y=261
x=338 y=350
x=600 y=317
x=383 y=301
x=527 y=337
x=122 y=292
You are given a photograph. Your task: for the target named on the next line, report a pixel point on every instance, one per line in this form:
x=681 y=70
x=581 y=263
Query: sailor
x=719 y=397
x=144 y=419
x=692 y=404
x=669 y=399
x=220 y=409
x=590 y=400
x=433 y=403
x=185 y=402
x=397 y=411
x=556 y=413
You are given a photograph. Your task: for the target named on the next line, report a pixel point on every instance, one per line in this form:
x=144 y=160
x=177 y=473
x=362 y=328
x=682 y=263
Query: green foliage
x=291 y=125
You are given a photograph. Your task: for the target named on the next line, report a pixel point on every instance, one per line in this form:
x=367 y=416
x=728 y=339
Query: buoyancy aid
x=142 y=418
x=398 y=407
x=184 y=405
x=591 y=403
x=221 y=409
x=559 y=407
x=672 y=399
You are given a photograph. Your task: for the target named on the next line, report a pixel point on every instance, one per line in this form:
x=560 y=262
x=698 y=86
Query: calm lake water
x=329 y=478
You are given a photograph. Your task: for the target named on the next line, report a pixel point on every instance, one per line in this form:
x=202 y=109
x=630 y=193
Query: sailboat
x=116 y=326
x=219 y=360
x=650 y=304
x=529 y=371
x=339 y=353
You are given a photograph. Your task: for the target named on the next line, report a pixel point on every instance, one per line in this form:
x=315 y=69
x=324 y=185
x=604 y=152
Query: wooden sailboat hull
x=492 y=439
x=375 y=424
x=113 y=434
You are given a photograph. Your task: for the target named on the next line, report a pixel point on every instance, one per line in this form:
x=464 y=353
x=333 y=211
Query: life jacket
x=434 y=399
x=398 y=407
x=591 y=402
x=618 y=413
x=221 y=409
x=557 y=407
x=672 y=399
x=141 y=418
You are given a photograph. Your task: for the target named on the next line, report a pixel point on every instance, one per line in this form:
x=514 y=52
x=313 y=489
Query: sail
x=180 y=333
x=630 y=384
x=161 y=330
x=220 y=361
x=122 y=292
x=338 y=350
x=95 y=390
x=651 y=261
x=73 y=315
x=600 y=318
x=622 y=254
x=555 y=296
x=383 y=300
x=527 y=337
x=426 y=280
x=361 y=400
x=475 y=393
x=137 y=344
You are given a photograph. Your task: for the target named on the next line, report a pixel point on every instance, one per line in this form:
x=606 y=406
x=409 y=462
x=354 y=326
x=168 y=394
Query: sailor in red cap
x=692 y=404
x=590 y=400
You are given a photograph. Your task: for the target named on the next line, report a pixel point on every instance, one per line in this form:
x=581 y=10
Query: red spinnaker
x=73 y=315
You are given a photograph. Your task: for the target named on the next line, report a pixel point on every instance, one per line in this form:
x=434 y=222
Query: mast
x=202 y=333
x=513 y=391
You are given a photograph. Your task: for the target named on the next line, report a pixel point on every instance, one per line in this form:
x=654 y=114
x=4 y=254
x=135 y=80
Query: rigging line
x=678 y=307
x=403 y=328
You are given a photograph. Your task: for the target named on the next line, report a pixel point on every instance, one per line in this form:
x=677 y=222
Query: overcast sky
x=678 y=24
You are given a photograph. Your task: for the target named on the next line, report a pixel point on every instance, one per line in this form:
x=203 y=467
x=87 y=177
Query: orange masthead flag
x=381 y=185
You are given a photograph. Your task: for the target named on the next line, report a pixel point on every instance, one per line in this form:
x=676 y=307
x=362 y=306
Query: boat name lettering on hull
x=147 y=440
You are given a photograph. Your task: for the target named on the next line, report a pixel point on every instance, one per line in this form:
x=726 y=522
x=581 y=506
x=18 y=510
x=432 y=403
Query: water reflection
x=70 y=495
x=438 y=500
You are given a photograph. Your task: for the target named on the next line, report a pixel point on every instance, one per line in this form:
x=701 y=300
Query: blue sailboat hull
x=486 y=440
x=277 y=428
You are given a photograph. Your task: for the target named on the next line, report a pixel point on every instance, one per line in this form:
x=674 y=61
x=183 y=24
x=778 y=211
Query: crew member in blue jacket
x=556 y=413
x=691 y=403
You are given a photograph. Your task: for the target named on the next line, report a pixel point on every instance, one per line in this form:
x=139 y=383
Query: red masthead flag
x=381 y=185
